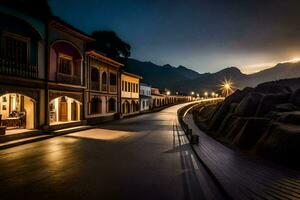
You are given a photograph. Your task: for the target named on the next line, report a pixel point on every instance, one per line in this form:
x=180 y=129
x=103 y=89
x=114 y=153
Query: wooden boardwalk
x=241 y=176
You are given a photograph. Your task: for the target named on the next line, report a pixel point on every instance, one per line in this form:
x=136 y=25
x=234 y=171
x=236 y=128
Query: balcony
x=11 y=68
x=112 y=88
x=68 y=79
x=95 y=86
x=104 y=87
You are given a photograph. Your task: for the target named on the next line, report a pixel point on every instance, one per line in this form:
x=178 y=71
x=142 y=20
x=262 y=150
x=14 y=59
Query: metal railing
x=12 y=68
x=113 y=88
x=69 y=79
x=95 y=86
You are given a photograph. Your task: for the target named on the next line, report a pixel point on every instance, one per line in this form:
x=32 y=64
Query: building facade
x=130 y=86
x=66 y=75
x=103 y=88
x=22 y=70
x=145 y=97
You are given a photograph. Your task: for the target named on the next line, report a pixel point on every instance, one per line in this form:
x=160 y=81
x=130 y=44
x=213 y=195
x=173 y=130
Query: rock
x=218 y=117
x=250 y=133
x=248 y=106
x=269 y=88
x=295 y=98
x=235 y=127
x=237 y=96
x=286 y=107
x=290 y=118
x=281 y=143
x=269 y=101
x=227 y=122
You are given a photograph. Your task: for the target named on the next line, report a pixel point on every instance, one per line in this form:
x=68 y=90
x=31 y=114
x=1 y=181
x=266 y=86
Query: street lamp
x=213 y=94
x=168 y=93
x=192 y=93
x=205 y=94
x=227 y=88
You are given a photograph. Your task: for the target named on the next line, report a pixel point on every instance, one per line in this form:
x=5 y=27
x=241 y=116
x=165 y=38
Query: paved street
x=144 y=157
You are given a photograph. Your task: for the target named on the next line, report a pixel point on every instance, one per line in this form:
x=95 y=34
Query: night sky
x=204 y=35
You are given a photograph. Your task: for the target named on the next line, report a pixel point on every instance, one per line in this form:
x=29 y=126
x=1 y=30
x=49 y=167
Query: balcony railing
x=11 y=68
x=68 y=79
x=95 y=86
x=104 y=87
x=113 y=88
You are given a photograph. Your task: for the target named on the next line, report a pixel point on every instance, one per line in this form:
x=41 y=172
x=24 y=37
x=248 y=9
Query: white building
x=145 y=97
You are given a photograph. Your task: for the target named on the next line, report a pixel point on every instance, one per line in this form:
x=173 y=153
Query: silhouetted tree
x=109 y=43
x=35 y=8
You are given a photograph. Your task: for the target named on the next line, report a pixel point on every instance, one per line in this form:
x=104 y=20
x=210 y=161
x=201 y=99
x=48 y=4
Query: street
x=143 y=157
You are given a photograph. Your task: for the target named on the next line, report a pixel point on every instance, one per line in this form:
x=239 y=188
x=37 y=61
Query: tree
x=39 y=9
x=109 y=43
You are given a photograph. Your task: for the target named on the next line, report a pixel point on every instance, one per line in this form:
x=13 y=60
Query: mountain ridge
x=184 y=80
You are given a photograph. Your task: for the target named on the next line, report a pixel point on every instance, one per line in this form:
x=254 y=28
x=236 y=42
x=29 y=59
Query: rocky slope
x=264 y=120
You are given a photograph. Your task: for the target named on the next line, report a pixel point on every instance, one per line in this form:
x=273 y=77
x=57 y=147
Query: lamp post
x=205 y=94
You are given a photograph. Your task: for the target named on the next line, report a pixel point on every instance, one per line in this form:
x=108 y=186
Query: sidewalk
x=243 y=177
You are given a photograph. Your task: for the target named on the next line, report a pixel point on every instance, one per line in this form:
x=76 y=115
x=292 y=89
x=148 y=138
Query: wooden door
x=74 y=111
x=63 y=110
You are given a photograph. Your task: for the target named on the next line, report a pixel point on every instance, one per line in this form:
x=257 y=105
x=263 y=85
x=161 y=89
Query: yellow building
x=130 y=86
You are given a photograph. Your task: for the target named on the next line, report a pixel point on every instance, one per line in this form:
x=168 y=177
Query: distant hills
x=184 y=80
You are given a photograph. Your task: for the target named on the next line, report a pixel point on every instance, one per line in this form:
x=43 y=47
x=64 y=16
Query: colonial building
x=22 y=70
x=145 y=97
x=157 y=99
x=103 y=86
x=66 y=75
x=130 y=86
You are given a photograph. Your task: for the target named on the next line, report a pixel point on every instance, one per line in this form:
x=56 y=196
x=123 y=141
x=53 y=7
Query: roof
x=145 y=84
x=61 y=25
x=132 y=75
x=103 y=58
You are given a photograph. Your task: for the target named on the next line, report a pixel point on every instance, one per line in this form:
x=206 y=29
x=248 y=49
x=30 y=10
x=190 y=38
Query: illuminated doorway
x=63 y=110
x=17 y=111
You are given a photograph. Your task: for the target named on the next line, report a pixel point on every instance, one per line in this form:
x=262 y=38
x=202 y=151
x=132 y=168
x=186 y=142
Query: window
x=16 y=48
x=136 y=88
x=96 y=105
x=113 y=79
x=77 y=68
x=104 y=81
x=111 y=105
x=125 y=86
x=65 y=64
x=133 y=88
x=94 y=75
x=129 y=89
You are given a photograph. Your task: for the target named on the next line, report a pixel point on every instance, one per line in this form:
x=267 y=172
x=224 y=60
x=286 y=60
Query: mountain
x=185 y=80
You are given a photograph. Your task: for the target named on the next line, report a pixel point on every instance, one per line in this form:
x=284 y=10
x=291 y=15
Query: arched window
x=104 y=81
x=95 y=79
x=96 y=106
x=111 y=105
x=94 y=74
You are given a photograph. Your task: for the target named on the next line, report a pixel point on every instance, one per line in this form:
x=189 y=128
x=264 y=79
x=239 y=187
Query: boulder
x=281 y=143
x=271 y=88
x=290 y=118
x=295 y=98
x=234 y=128
x=227 y=122
x=269 y=102
x=238 y=96
x=286 y=107
x=251 y=133
x=247 y=107
x=218 y=117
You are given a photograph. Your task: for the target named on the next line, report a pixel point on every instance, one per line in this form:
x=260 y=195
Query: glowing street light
x=227 y=88
x=213 y=94
x=168 y=93
x=192 y=93
x=205 y=94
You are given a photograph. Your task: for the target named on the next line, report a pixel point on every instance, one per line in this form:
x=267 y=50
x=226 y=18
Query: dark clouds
x=205 y=35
